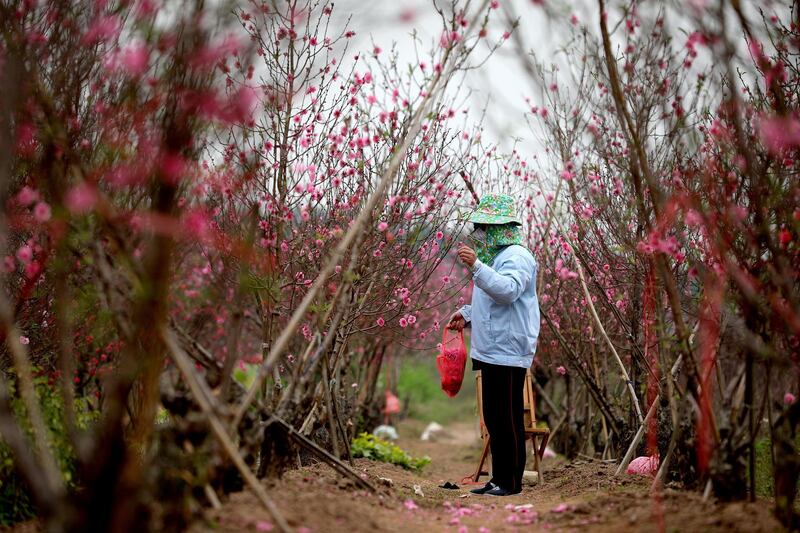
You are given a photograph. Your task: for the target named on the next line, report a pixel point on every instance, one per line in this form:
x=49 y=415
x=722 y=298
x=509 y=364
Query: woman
x=504 y=319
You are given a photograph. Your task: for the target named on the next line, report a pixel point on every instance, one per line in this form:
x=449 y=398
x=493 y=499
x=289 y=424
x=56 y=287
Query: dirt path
x=582 y=495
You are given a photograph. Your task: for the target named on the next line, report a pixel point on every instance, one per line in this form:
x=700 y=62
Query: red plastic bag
x=451 y=361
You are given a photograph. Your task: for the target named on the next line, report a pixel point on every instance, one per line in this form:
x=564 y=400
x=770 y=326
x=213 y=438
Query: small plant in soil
x=372 y=447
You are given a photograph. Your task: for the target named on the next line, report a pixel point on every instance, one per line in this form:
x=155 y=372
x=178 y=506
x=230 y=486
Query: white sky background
x=499 y=86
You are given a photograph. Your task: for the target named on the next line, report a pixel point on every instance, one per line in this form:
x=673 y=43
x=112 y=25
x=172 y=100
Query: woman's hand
x=467 y=255
x=457 y=322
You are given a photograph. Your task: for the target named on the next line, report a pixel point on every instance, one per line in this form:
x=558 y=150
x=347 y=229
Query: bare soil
x=578 y=496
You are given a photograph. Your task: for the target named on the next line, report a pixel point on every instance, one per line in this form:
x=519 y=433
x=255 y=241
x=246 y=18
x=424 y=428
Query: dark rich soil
x=577 y=496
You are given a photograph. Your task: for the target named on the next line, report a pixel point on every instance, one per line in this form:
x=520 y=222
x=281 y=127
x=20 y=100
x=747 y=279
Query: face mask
x=478 y=236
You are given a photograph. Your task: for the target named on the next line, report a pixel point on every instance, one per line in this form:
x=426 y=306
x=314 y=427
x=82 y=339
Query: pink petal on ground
x=561 y=508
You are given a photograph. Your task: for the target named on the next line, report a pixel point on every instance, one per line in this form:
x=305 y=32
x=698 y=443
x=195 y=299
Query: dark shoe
x=499 y=491
x=486 y=488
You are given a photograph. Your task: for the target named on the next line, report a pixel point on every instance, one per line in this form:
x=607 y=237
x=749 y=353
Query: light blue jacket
x=504 y=314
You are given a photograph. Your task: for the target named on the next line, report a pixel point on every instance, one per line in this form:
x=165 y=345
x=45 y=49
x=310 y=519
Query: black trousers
x=503 y=414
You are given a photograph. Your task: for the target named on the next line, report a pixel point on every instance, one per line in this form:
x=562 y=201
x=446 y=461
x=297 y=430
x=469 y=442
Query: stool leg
x=536 y=460
x=477 y=475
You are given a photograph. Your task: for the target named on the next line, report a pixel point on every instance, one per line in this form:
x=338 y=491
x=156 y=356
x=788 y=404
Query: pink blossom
x=439 y=235
x=25 y=254
x=561 y=508
x=410 y=505
x=27 y=196
x=381 y=322
x=196 y=223
x=24 y=340
x=412 y=319
x=244 y=102
x=173 y=167
x=779 y=133
x=448 y=39
x=263 y=525
x=566 y=274
x=26 y=139
x=102 y=29
x=785 y=237
x=210 y=55
x=134 y=59
x=561 y=370
x=693 y=218
x=81 y=198
x=403 y=322
x=788 y=398
x=382 y=226
x=41 y=212
x=407 y=15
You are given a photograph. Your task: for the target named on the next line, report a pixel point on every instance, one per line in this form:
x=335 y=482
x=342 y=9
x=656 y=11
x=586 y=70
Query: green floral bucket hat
x=495 y=209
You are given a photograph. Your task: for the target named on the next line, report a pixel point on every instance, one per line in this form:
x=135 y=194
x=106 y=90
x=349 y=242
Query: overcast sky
x=500 y=85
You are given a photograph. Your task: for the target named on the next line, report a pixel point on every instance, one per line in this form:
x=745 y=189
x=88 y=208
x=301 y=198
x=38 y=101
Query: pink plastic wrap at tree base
x=644 y=465
x=451 y=361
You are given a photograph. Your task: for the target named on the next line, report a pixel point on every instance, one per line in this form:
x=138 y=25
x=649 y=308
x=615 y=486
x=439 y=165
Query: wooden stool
x=531 y=431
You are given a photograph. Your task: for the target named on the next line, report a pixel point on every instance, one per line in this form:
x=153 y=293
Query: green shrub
x=16 y=503
x=371 y=447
